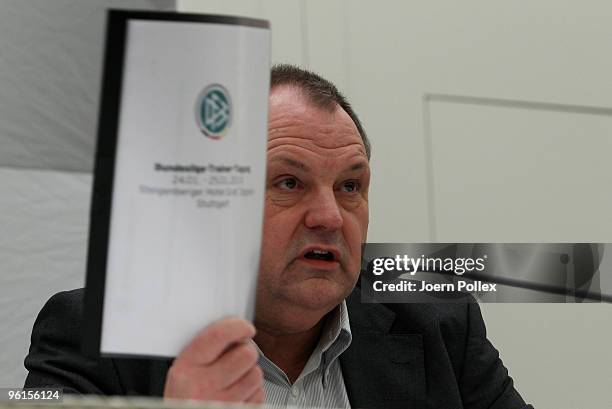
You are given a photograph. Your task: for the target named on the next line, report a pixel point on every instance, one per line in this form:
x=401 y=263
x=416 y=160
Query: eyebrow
x=358 y=166
x=291 y=162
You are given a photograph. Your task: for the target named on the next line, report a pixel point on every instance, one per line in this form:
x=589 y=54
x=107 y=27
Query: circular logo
x=214 y=111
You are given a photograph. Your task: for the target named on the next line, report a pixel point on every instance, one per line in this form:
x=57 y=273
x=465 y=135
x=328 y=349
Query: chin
x=318 y=295
x=301 y=306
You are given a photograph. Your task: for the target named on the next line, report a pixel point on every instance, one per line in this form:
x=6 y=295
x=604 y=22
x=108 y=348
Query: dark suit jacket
x=411 y=356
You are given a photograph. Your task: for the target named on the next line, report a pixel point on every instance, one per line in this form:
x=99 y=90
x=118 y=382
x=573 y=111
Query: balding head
x=320 y=92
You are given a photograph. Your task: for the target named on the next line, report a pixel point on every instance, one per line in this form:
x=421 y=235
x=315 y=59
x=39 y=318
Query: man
x=314 y=343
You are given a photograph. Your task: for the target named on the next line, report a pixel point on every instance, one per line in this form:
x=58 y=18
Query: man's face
x=316 y=209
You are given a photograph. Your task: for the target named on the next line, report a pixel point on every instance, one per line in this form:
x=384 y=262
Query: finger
x=214 y=339
x=246 y=386
x=259 y=397
x=234 y=364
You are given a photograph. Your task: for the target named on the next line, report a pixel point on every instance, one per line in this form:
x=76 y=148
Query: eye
x=350 y=186
x=288 y=184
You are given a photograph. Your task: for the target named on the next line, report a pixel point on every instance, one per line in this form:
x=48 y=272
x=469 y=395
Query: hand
x=220 y=364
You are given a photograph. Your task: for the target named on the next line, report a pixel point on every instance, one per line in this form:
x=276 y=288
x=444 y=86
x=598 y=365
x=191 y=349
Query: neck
x=288 y=351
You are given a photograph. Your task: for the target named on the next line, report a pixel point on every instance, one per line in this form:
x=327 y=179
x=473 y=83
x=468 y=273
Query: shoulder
x=62 y=312
x=55 y=357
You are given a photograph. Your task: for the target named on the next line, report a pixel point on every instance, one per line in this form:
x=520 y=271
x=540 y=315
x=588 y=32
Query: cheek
x=356 y=230
x=278 y=227
x=358 y=222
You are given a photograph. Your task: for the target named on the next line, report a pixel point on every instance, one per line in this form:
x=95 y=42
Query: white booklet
x=177 y=206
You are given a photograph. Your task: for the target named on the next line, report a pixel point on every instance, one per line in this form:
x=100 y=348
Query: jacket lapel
x=381 y=369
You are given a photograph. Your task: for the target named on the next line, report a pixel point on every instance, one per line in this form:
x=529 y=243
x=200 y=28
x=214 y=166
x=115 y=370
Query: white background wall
x=478 y=173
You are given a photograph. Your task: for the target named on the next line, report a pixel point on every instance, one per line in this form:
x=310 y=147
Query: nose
x=323 y=211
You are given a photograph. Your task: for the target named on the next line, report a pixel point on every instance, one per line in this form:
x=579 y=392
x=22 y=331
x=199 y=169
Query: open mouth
x=323 y=255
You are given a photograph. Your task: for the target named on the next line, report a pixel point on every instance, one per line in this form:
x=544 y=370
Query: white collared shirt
x=321 y=383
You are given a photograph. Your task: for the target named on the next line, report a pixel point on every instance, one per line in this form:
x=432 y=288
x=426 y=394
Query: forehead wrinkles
x=306 y=144
x=312 y=134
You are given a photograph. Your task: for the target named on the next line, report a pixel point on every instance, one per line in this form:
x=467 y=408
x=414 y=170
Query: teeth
x=320 y=255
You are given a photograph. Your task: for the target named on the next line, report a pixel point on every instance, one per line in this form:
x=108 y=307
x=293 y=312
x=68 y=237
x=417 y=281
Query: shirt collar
x=337 y=329
x=335 y=338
